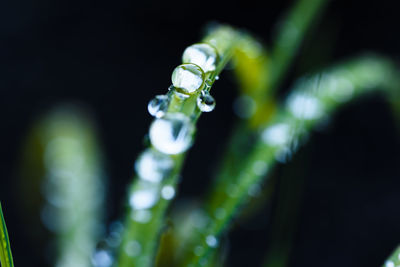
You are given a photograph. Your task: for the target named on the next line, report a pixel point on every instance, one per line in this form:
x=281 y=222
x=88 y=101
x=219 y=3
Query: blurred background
x=113 y=57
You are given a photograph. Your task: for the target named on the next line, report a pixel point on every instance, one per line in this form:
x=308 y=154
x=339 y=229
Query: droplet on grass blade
x=187 y=78
x=144 y=198
x=205 y=102
x=203 y=55
x=168 y=192
x=158 y=106
x=172 y=134
x=153 y=166
x=211 y=241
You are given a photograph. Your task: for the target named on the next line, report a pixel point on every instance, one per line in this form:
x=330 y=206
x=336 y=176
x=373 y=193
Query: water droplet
x=205 y=101
x=153 y=166
x=158 y=106
x=277 y=135
x=260 y=167
x=217 y=78
x=187 y=78
x=102 y=258
x=254 y=190
x=211 y=241
x=203 y=55
x=133 y=248
x=304 y=106
x=389 y=264
x=172 y=134
x=141 y=216
x=168 y=192
x=143 y=198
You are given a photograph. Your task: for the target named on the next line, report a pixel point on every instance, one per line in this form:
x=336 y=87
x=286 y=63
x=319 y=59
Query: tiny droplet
x=158 y=106
x=205 y=102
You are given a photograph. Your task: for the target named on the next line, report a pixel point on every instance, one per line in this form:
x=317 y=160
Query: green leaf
x=5 y=249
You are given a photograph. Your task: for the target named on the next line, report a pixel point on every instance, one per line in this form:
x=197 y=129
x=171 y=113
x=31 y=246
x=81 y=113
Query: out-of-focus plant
x=6 y=259
x=268 y=131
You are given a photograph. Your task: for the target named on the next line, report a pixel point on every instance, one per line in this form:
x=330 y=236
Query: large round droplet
x=187 y=78
x=205 y=101
x=203 y=55
x=158 y=106
x=153 y=166
x=172 y=134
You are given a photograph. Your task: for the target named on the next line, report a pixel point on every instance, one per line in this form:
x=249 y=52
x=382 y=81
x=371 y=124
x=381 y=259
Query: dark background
x=114 y=56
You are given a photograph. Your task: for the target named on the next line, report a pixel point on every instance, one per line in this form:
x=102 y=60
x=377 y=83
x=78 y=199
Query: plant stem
x=312 y=101
x=6 y=259
x=144 y=236
x=290 y=36
x=394 y=259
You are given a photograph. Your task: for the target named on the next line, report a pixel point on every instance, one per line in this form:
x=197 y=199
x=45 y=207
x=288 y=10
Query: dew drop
x=389 y=264
x=172 y=134
x=143 y=198
x=203 y=55
x=187 y=78
x=141 y=216
x=158 y=106
x=153 y=166
x=277 y=134
x=304 y=106
x=260 y=168
x=102 y=258
x=168 y=192
x=133 y=248
x=211 y=241
x=205 y=102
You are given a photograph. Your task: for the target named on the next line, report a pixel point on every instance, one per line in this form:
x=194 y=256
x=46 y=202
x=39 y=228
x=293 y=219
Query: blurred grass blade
x=5 y=249
x=394 y=259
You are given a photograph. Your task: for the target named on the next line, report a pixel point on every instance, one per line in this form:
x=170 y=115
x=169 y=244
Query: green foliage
x=6 y=259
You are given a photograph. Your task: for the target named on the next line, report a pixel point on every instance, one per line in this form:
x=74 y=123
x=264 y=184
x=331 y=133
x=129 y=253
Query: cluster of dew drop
x=170 y=134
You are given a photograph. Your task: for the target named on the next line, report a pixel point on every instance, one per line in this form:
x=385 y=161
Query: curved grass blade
x=5 y=249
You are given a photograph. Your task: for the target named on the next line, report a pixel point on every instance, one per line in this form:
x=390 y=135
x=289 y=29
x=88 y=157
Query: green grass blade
x=5 y=249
